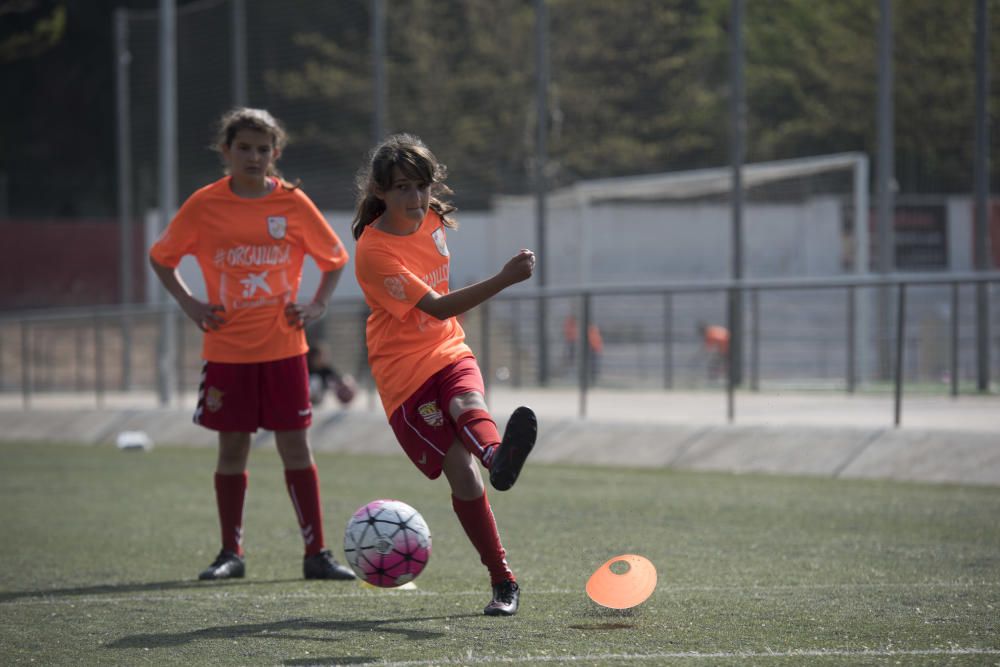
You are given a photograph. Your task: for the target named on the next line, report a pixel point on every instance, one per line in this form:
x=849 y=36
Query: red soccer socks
x=476 y=517
x=230 y=497
x=303 y=488
x=479 y=434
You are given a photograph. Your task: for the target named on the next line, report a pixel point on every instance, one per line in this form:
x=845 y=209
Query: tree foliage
x=637 y=86
x=30 y=28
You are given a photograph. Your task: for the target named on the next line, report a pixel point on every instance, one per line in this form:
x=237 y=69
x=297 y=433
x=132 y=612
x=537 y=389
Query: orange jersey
x=717 y=338
x=406 y=346
x=571 y=330
x=250 y=252
x=595 y=339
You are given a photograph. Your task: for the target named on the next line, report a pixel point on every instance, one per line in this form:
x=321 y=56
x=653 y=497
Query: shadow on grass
x=353 y=660
x=286 y=629
x=606 y=618
x=113 y=589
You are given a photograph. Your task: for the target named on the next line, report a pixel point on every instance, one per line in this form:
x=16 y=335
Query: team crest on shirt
x=440 y=241
x=396 y=287
x=431 y=414
x=276 y=226
x=213 y=399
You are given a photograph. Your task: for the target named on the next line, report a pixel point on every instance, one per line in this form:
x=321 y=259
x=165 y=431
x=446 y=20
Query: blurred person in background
x=324 y=377
x=430 y=383
x=249 y=232
x=595 y=348
x=571 y=334
x=715 y=344
x=595 y=345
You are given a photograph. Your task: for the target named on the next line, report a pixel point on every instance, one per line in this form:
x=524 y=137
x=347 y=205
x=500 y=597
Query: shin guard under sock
x=303 y=488
x=478 y=432
x=230 y=497
x=476 y=517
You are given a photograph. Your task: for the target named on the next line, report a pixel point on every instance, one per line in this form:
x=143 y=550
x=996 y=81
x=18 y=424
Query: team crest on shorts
x=440 y=241
x=276 y=226
x=431 y=414
x=213 y=399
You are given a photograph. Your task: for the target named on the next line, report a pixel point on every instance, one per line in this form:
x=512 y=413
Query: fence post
x=755 y=335
x=668 y=341
x=98 y=363
x=25 y=365
x=484 y=345
x=126 y=329
x=366 y=368
x=900 y=331
x=515 y=341
x=953 y=343
x=852 y=343
x=181 y=360
x=78 y=363
x=732 y=315
x=584 y=353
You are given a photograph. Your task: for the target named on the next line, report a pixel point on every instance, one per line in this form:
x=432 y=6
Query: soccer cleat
x=506 y=596
x=324 y=566
x=227 y=565
x=518 y=440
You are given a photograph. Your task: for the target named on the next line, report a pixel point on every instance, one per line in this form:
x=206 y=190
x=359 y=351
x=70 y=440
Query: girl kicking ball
x=429 y=381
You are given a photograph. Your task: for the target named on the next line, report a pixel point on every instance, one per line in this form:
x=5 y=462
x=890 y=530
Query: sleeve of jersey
x=388 y=282
x=321 y=242
x=178 y=239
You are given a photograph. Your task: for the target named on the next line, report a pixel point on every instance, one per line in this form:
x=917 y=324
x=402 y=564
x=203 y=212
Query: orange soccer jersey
x=405 y=345
x=717 y=339
x=250 y=252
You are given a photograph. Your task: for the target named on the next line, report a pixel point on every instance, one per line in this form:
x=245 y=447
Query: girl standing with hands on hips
x=250 y=232
x=428 y=379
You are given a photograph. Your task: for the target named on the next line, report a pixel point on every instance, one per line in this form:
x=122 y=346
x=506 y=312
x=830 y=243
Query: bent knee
x=471 y=400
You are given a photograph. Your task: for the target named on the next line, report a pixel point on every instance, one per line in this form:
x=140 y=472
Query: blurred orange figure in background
x=715 y=340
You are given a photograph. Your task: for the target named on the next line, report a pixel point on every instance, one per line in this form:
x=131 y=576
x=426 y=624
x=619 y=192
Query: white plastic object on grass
x=134 y=440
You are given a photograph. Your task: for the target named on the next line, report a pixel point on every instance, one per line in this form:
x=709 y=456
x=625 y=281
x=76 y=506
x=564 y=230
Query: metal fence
x=651 y=342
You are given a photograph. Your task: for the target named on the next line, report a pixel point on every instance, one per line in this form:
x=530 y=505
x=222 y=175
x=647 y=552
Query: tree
x=638 y=86
x=30 y=28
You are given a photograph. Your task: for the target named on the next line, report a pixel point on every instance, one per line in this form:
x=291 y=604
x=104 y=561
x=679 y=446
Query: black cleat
x=324 y=566
x=518 y=441
x=506 y=596
x=227 y=565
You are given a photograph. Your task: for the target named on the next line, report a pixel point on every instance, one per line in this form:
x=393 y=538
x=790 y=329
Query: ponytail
x=368 y=210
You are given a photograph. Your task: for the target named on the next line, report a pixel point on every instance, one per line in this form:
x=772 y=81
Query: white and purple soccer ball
x=387 y=543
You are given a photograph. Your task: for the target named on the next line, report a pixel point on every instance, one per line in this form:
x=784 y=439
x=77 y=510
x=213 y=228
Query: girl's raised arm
x=517 y=269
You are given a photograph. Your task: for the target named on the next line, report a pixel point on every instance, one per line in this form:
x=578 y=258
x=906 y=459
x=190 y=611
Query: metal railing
x=737 y=290
x=105 y=341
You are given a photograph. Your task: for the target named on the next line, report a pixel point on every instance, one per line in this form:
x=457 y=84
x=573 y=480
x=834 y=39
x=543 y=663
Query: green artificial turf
x=101 y=549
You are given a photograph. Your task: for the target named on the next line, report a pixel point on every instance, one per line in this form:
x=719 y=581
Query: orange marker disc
x=624 y=581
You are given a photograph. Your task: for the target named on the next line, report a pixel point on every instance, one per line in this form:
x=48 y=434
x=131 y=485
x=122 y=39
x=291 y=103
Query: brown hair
x=261 y=120
x=416 y=161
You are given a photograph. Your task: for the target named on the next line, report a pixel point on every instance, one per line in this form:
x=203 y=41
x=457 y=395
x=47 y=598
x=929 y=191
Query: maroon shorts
x=423 y=425
x=244 y=397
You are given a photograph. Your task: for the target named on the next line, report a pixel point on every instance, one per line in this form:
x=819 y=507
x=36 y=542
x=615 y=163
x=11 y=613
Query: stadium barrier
x=137 y=347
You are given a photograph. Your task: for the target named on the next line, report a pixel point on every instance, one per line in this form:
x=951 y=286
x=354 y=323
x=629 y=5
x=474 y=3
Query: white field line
x=56 y=597
x=720 y=655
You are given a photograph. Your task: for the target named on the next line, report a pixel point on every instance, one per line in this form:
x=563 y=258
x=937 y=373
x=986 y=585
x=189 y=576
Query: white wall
x=612 y=243
x=649 y=242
